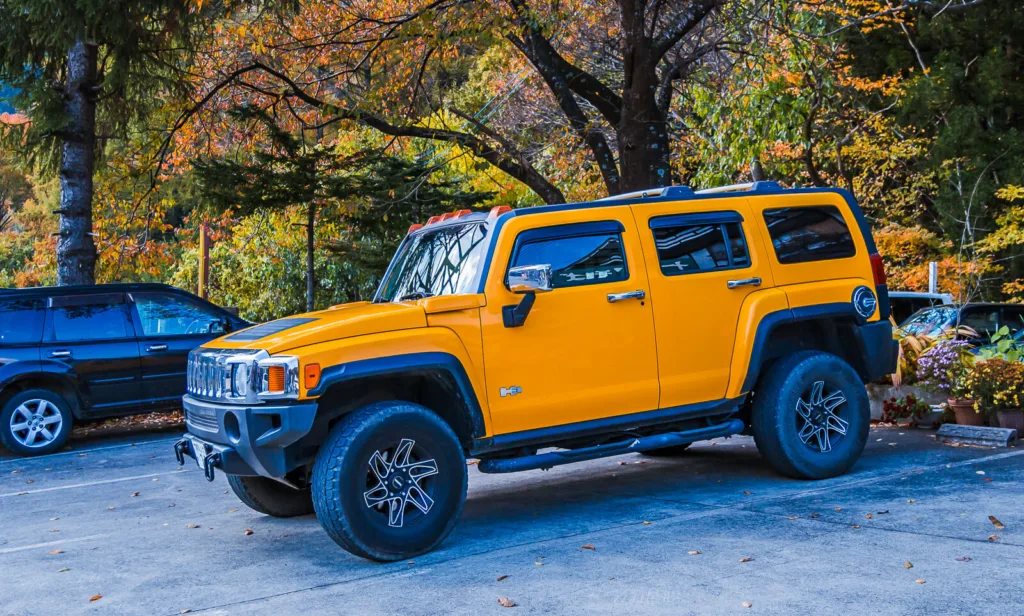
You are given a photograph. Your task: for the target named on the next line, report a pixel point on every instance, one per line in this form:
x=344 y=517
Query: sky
x=5 y=91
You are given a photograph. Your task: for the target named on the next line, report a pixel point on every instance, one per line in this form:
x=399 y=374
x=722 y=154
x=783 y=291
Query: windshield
x=445 y=261
x=930 y=321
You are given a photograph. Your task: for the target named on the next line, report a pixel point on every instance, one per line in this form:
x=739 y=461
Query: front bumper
x=248 y=440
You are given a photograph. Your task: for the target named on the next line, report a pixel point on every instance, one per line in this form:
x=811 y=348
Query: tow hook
x=212 y=459
x=180 y=449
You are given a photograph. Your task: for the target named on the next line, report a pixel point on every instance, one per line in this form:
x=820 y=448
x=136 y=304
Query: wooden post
x=204 y=261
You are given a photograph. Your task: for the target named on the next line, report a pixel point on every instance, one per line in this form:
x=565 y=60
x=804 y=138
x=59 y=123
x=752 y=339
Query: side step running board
x=655 y=441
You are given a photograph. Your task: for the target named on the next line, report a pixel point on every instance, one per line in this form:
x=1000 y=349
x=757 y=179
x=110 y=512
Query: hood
x=344 y=321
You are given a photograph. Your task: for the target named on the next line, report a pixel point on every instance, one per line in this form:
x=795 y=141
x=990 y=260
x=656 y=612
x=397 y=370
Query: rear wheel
x=390 y=481
x=271 y=497
x=811 y=415
x=34 y=422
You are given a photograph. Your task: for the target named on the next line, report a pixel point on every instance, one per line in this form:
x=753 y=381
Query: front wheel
x=34 y=422
x=271 y=497
x=390 y=481
x=811 y=415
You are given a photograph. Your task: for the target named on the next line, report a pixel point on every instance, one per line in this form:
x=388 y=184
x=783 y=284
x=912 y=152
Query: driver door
x=169 y=326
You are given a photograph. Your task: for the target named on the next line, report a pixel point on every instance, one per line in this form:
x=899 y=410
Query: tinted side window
x=1013 y=318
x=21 y=321
x=575 y=261
x=92 y=321
x=802 y=234
x=171 y=315
x=687 y=248
x=983 y=321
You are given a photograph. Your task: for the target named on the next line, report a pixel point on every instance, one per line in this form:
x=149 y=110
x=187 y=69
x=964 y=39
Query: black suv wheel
x=271 y=497
x=34 y=422
x=390 y=481
x=811 y=415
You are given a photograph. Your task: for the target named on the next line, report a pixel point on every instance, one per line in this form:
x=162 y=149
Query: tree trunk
x=76 y=252
x=642 y=131
x=310 y=280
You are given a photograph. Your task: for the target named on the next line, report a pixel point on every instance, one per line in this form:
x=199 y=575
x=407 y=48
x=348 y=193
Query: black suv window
x=169 y=315
x=802 y=234
x=705 y=242
x=580 y=254
x=21 y=321
x=92 y=317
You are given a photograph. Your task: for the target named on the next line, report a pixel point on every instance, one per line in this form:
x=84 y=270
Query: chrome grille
x=209 y=372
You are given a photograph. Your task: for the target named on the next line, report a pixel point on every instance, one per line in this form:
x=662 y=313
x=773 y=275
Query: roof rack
x=668 y=191
x=745 y=187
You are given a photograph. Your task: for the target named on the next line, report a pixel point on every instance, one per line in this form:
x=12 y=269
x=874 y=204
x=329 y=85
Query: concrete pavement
x=117 y=518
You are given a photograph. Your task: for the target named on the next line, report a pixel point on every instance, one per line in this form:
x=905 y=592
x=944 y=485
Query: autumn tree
x=86 y=70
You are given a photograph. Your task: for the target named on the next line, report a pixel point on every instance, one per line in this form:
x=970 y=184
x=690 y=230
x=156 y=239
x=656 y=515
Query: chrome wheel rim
x=818 y=418
x=36 y=423
x=397 y=489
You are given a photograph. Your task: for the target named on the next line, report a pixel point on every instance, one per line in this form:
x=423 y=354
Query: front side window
x=89 y=321
x=21 y=321
x=930 y=321
x=170 y=315
x=705 y=245
x=577 y=260
x=442 y=261
x=803 y=234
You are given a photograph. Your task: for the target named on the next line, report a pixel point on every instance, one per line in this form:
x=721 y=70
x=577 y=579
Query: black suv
x=95 y=351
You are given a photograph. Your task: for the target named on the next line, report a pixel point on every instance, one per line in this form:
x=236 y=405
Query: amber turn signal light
x=311 y=375
x=275 y=379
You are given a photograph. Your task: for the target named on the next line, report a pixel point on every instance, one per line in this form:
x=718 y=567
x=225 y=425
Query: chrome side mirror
x=530 y=279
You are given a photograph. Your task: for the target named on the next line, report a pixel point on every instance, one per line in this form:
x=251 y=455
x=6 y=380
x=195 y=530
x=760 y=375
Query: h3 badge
x=511 y=391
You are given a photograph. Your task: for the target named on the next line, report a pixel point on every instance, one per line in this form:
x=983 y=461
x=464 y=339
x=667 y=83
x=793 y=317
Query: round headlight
x=240 y=380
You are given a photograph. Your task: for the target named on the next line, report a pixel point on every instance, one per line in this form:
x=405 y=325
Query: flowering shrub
x=909 y=407
x=996 y=384
x=944 y=367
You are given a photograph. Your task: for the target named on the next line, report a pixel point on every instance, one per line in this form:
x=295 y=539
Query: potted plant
x=944 y=368
x=908 y=410
x=997 y=386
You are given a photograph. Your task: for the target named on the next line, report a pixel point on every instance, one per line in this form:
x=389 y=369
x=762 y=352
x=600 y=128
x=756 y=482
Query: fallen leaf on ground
x=248 y=531
x=506 y=602
x=55 y=552
x=746 y=559
x=839 y=508
x=111 y=508
x=63 y=569
x=538 y=564
x=979 y=472
x=747 y=604
x=22 y=493
x=191 y=526
x=855 y=526
x=908 y=565
x=587 y=546
x=82 y=455
x=136 y=493
x=472 y=462
x=502 y=577
x=883 y=512
x=232 y=510
x=814 y=516
x=963 y=559
x=993 y=537
x=988 y=479
x=184 y=611
x=693 y=552
x=53 y=519
x=94 y=597
x=31 y=481
x=411 y=562
x=746 y=491
x=869 y=516
x=622 y=463
x=919 y=581
x=995 y=522
x=15 y=471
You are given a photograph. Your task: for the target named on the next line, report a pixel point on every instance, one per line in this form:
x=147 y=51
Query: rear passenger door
x=703 y=260
x=169 y=326
x=93 y=336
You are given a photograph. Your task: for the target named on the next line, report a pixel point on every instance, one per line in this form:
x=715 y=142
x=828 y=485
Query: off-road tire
x=271 y=497
x=775 y=417
x=7 y=409
x=342 y=473
x=667 y=452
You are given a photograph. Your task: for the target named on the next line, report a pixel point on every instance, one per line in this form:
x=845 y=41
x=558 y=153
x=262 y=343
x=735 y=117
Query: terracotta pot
x=1013 y=418
x=965 y=413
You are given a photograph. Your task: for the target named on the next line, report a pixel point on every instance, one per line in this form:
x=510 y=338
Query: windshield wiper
x=416 y=295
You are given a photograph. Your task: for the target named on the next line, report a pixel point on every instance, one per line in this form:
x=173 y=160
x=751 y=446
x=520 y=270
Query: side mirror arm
x=515 y=316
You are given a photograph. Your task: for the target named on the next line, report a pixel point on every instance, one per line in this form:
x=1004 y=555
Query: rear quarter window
x=21 y=321
x=809 y=233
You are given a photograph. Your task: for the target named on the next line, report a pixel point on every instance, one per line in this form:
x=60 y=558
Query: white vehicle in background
x=906 y=303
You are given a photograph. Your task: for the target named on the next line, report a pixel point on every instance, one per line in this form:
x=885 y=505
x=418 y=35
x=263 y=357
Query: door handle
x=746 y=282
x=153 y=348
x=618 y=297
x=60 y=353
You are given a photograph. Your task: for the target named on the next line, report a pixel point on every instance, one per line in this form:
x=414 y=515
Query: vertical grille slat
x=208 y=373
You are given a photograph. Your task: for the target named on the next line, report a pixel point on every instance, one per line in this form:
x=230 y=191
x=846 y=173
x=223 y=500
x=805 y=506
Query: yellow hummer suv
x=541 y=336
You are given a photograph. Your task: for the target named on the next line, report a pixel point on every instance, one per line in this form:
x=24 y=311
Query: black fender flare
x=411 y=362
x=43 y=370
